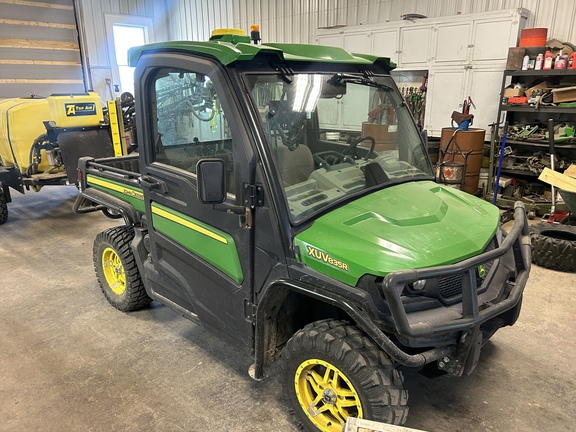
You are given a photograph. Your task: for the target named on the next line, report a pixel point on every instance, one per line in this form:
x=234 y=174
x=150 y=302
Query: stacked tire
x=554 y=246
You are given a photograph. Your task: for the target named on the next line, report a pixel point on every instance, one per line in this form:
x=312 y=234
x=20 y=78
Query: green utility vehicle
x=264 y=206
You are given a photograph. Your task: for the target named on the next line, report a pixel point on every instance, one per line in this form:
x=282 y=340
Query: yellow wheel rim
x=113 y=271
x=326 y=395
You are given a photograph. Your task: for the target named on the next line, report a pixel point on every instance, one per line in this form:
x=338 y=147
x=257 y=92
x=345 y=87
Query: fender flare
x=356 y=313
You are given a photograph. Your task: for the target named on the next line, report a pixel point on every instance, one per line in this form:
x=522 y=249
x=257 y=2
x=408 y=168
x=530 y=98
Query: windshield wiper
x=354 y=79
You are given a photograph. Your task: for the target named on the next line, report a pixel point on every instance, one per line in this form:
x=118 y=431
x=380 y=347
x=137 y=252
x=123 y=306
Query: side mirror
x=211 y=175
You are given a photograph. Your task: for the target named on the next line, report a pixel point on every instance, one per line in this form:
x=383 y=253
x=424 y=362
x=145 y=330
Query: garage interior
x=70 y=361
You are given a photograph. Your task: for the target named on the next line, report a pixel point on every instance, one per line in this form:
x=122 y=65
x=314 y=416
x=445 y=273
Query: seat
x=295 y=166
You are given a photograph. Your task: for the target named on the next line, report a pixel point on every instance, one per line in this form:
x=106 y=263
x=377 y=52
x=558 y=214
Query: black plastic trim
x=86 y=199
x=356 y=314
x=518 y=239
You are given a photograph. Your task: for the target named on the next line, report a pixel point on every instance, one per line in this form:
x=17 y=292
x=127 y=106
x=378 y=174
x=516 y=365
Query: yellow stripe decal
x=123 y=190
x=181 y=221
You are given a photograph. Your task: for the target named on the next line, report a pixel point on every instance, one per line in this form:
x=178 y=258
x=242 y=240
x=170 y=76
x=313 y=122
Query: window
x=190 y=123
x=126 y=37
x=125 y=32
x=321 y=143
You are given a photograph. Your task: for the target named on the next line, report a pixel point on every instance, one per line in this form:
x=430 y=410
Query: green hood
x=408 y=226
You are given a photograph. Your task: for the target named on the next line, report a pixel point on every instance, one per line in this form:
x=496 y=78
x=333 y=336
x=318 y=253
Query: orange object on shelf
x=533 y=37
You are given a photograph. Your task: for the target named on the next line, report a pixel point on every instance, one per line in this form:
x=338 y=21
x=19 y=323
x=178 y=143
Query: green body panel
x=227 y=53
x=132 y=195
x=407 y=226
x=212 y=245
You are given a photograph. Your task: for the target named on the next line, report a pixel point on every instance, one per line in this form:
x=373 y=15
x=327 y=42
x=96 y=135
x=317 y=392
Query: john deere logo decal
x=80 y=109
x=482 y=270
x=325 y=257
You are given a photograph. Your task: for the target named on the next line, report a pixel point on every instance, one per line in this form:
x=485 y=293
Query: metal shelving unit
x=508 y=113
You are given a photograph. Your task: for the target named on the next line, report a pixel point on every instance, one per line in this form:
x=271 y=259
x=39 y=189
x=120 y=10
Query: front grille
x=451 y=286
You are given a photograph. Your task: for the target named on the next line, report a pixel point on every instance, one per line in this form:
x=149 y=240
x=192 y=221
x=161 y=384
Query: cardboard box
x=510 y=91
x=516 y=56
x=566 y=94
x=541 y=86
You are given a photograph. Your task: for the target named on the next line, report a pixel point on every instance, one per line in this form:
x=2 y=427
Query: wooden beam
x=38 y=44
x=37 y=4
x=561 y=181
x=39 y=62
x=571 y=171
x=38 y=81
x=37 y=24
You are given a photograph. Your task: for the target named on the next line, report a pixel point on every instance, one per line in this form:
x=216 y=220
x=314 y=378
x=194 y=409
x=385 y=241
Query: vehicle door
x=200 y=257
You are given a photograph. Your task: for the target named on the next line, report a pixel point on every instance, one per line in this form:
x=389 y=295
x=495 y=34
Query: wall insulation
x=93 y=15
x=297 y=20
x=39 y=50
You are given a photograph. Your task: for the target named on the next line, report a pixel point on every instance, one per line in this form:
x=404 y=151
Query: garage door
x=39 y=50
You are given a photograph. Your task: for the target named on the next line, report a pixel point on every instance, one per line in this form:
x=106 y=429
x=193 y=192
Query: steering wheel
x=354 y=144
x=327 y=159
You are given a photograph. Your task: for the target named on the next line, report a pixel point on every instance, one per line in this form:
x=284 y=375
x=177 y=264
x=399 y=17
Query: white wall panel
x=284 y=21
x=296 y=21
x=93 y=16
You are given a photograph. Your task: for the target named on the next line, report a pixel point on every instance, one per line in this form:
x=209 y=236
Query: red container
x=533 y=37
x=572 y=61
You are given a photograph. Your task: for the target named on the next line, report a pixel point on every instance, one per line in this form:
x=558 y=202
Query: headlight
x=419 y=285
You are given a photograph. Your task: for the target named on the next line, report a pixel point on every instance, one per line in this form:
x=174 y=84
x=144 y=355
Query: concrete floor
x=71 y=362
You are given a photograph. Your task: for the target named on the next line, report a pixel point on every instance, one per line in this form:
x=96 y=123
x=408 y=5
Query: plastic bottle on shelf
x=548 y=60
x=561 y=61
x=525 y=62
x=539 y=61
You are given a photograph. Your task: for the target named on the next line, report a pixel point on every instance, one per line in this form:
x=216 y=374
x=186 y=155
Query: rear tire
x=331 y=371
x=117 y=271
x=3 y=206
x=554 y=246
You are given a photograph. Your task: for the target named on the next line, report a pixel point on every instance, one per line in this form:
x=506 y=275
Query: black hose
x=32 y=165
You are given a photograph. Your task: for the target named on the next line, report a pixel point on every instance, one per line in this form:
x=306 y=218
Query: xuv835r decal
x=324 y=256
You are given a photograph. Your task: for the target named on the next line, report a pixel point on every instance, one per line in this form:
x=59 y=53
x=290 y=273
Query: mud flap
x=466 y=357
x=474 y=353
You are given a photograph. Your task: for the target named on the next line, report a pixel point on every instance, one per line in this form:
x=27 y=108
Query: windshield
x=333 y=136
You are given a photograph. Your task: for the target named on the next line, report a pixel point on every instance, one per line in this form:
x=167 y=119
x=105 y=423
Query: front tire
x=332 y=371
x=117 y=271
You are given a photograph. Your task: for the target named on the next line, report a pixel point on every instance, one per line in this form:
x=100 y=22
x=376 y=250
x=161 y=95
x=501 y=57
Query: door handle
x=151 y=184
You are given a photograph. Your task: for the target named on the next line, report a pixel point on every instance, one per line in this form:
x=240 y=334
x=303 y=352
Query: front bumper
x=475 y=308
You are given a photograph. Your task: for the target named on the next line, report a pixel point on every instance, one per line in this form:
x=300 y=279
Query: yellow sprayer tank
x=20 y=124
x=75 y=110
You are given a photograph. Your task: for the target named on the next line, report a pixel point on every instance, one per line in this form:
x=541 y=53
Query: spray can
x=539 y=61
x=548 y=60
x=525 y=62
